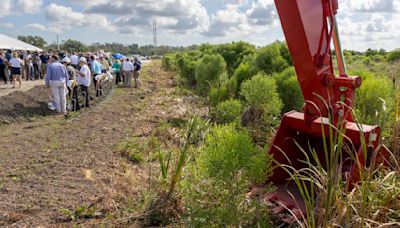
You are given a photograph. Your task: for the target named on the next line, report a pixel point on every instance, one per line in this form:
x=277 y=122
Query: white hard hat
x=82 y=59
x=66 y=60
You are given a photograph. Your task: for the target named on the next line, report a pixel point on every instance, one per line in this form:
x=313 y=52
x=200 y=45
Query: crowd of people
x=68 y=74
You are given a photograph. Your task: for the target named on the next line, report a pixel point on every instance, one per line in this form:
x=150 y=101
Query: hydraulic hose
x=338 y=49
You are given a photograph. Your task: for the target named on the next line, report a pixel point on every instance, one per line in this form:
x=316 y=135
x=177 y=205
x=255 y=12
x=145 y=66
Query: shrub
x=215 y=186
x=217 y=94
x=263 y=107
x=394 y=55
x=228 y=112
x=375 y=101
x=243 y=72
x=289 y=90
x=269 y=59
x=168 y=62
x=284 y=50
x=186 y=65
x=260 y=92
x=208 y=70
x=226 y=152
x=233 y=53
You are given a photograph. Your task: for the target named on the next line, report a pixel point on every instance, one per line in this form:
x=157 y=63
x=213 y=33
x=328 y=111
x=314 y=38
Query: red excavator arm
x=310 y=27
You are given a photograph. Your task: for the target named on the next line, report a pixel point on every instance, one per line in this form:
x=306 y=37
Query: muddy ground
x=52 y=169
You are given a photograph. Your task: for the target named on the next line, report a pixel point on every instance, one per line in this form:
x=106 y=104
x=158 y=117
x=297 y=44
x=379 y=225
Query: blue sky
x=363 y=23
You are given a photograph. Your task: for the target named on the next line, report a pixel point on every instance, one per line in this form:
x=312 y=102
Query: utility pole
x=58 y=45
x=155 y=36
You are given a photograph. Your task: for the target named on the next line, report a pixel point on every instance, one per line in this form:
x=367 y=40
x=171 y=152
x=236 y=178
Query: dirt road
x=52 y=165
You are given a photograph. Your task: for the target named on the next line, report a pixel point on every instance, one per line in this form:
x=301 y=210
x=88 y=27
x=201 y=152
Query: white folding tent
x=7 y=42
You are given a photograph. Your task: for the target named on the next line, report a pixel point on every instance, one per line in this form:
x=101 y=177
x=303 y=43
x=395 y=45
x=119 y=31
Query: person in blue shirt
x=57 y=79
x=8 y=55
x=96 y=70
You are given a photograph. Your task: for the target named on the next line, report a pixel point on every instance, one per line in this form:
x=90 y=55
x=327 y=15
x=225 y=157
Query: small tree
x=289 y=90
x=375 y=101
x=215 y=186
x=37 y=41
x=186 y=65
x=263 y=106
x=208 y=70
x=394 y=55
x=73 y=45
x=269 y=59
x=228 y=112
x=260 y=92
x=243 y=72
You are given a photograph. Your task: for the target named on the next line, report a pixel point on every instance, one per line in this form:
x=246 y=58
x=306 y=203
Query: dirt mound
x=20 y=105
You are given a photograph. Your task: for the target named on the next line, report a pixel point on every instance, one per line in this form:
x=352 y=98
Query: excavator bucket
x=295 y=139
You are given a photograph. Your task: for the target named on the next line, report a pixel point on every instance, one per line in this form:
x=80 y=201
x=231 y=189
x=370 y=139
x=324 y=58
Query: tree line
x=114 y=47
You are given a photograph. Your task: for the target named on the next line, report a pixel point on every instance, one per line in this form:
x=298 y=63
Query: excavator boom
x=310 y=28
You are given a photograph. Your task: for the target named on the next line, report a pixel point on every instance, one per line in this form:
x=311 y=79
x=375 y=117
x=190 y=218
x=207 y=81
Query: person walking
x=16 y=65
x=137 y=65
x=57 y=78
x=83 y=79
x=127 y=70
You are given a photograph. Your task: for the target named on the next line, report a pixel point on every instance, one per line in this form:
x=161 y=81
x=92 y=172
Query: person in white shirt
x=16 y=64
x=74 y=60
x=127 y=72
x=83 y=79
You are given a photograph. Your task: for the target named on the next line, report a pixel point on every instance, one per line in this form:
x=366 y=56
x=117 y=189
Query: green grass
x=375 y=201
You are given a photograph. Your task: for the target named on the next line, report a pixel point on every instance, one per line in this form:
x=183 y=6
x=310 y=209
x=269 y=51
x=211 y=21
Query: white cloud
x=7 y=25
x=37 y=26
x=226 y=21
x=235 y=21
x=43 y=28
x=176 y=16
x=5 y=6
x=370 y=31
x=62 y=18
x=262 y=13
x=373 y=6
x=18 y=7
x=28 y=6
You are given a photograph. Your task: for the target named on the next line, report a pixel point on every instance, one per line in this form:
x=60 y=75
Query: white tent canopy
x=7 y=42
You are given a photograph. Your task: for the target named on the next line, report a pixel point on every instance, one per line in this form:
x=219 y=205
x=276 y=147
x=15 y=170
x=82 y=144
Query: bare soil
x=50 y=168
x=25 y=105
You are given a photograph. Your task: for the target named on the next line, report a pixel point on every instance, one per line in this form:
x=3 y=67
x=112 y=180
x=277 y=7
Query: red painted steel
x=308 y=26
